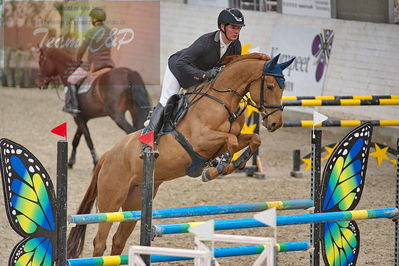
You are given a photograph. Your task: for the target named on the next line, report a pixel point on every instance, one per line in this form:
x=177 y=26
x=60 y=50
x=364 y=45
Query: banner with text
x=134 y=36
x=312 y=48
x=313 y=8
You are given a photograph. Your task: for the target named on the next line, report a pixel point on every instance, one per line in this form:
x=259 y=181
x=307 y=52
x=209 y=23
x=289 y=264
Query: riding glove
x=211 y=73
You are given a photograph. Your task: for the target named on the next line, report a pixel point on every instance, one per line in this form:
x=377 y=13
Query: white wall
x=364 y=60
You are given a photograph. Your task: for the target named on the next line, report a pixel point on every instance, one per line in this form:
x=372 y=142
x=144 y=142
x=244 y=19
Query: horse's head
x=47 y=65
x=267 y=93
x=55 y=62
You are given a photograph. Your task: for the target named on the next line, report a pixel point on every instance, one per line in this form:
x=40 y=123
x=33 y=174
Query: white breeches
x=77 y=76
x=170 y=86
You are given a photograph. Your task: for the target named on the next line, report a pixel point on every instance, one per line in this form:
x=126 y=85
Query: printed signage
x=314 y=8
x=133 y=35
x=312 y=48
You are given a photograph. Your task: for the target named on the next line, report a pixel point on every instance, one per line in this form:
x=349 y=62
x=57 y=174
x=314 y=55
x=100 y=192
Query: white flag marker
x=204 y=230
x=318 y=118
x=267 y=217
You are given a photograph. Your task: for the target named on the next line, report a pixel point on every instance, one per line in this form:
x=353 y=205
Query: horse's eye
x=270 y=87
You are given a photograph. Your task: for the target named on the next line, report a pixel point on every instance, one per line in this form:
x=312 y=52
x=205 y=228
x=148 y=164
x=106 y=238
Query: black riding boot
x=156 y=120
x=71 y=106
x=155 y=124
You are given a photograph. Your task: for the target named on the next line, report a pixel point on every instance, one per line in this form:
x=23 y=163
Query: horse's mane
x=234 y=59
x=230 y=60
x=59 y=54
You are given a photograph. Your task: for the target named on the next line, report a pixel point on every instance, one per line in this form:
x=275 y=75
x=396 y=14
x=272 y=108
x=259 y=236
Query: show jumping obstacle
x=252 y=120
x=219 y=253
x=359 y=97
x=342 y=102
x=190 y=211
x=314 y=218
x=342 y=123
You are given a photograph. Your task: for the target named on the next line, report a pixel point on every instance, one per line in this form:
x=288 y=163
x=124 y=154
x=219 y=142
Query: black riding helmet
x=98 y=13
x=231 y=16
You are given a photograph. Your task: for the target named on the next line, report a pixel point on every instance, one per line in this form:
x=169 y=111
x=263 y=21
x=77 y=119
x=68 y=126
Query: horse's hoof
x=209 y=174
x=205 y=176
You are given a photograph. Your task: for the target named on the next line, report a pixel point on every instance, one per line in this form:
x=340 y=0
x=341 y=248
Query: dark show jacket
x=189 y=65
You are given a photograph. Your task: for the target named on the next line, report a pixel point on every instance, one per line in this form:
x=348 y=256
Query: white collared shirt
x=223 y=46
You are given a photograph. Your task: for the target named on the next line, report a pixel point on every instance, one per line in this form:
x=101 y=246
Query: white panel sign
x=312 y=48
x=314 y=8
x=214 y=3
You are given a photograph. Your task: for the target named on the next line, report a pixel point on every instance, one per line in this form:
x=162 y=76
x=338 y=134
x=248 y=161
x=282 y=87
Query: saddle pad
x=89 y=80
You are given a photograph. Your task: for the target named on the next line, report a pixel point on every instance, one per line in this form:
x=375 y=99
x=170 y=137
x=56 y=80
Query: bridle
x=262 y=106
x=247 y=101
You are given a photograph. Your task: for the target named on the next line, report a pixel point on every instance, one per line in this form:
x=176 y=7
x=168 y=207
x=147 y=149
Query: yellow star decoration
x=380 y=154
x=329 y=152
x=250 y=110
x=248 y=129
x=308 y=163
x=245 y=48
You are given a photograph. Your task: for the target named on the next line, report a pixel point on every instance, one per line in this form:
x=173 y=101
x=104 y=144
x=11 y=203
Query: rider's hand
x=211 y=73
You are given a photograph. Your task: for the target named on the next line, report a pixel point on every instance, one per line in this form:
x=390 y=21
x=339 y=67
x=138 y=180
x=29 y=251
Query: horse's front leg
x=252 y=141
x=75 y=143
x=85 y=130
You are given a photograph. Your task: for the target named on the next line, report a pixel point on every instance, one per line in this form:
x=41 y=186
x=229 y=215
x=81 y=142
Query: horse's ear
x=287 y=63
x=228 y=59
x=273 y=62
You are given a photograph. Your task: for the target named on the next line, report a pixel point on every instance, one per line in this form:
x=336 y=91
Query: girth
x=198 y=163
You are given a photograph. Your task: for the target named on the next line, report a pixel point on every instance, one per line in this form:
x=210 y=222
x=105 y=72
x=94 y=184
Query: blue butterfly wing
x=33 y=251
x=29 y=200
x=340 y=242
x=342 y=186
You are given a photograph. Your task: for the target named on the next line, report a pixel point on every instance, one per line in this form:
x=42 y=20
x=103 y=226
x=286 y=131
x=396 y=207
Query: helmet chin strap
x=224 y=32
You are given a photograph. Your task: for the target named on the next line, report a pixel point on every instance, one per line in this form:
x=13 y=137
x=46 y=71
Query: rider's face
x=94 y=21
x=232 y=32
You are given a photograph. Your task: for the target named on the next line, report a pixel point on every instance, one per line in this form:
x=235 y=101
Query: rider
x=199 y=62
x=98 y=42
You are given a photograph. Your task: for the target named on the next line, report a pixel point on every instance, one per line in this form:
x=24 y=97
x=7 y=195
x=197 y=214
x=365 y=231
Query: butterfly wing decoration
x=342 y=186
x=30 y=205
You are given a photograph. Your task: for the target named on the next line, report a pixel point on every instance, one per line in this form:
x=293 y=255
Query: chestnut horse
x=212 y=126
x=112 y=94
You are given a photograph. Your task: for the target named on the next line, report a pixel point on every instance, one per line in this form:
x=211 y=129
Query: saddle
x=175 y=109
x=86 y=83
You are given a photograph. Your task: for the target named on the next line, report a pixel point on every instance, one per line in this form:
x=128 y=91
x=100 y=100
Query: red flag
x=148 y=139
x=60 y=130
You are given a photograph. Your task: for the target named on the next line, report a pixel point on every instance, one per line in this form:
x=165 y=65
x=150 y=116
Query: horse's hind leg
x=121 y=121
x=110 y=199
x=253 y=142
x=133 y=202
x=100 y=241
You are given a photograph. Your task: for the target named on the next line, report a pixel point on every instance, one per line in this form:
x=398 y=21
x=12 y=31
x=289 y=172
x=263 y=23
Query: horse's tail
x=76 y=237
x=140 y=98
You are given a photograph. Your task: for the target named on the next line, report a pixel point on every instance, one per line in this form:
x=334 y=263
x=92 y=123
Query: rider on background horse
x=199 y=62
x=98 y=43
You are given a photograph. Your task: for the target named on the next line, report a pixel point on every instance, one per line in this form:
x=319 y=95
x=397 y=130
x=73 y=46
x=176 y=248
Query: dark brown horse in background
x=112 y=94
x=212 y=126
